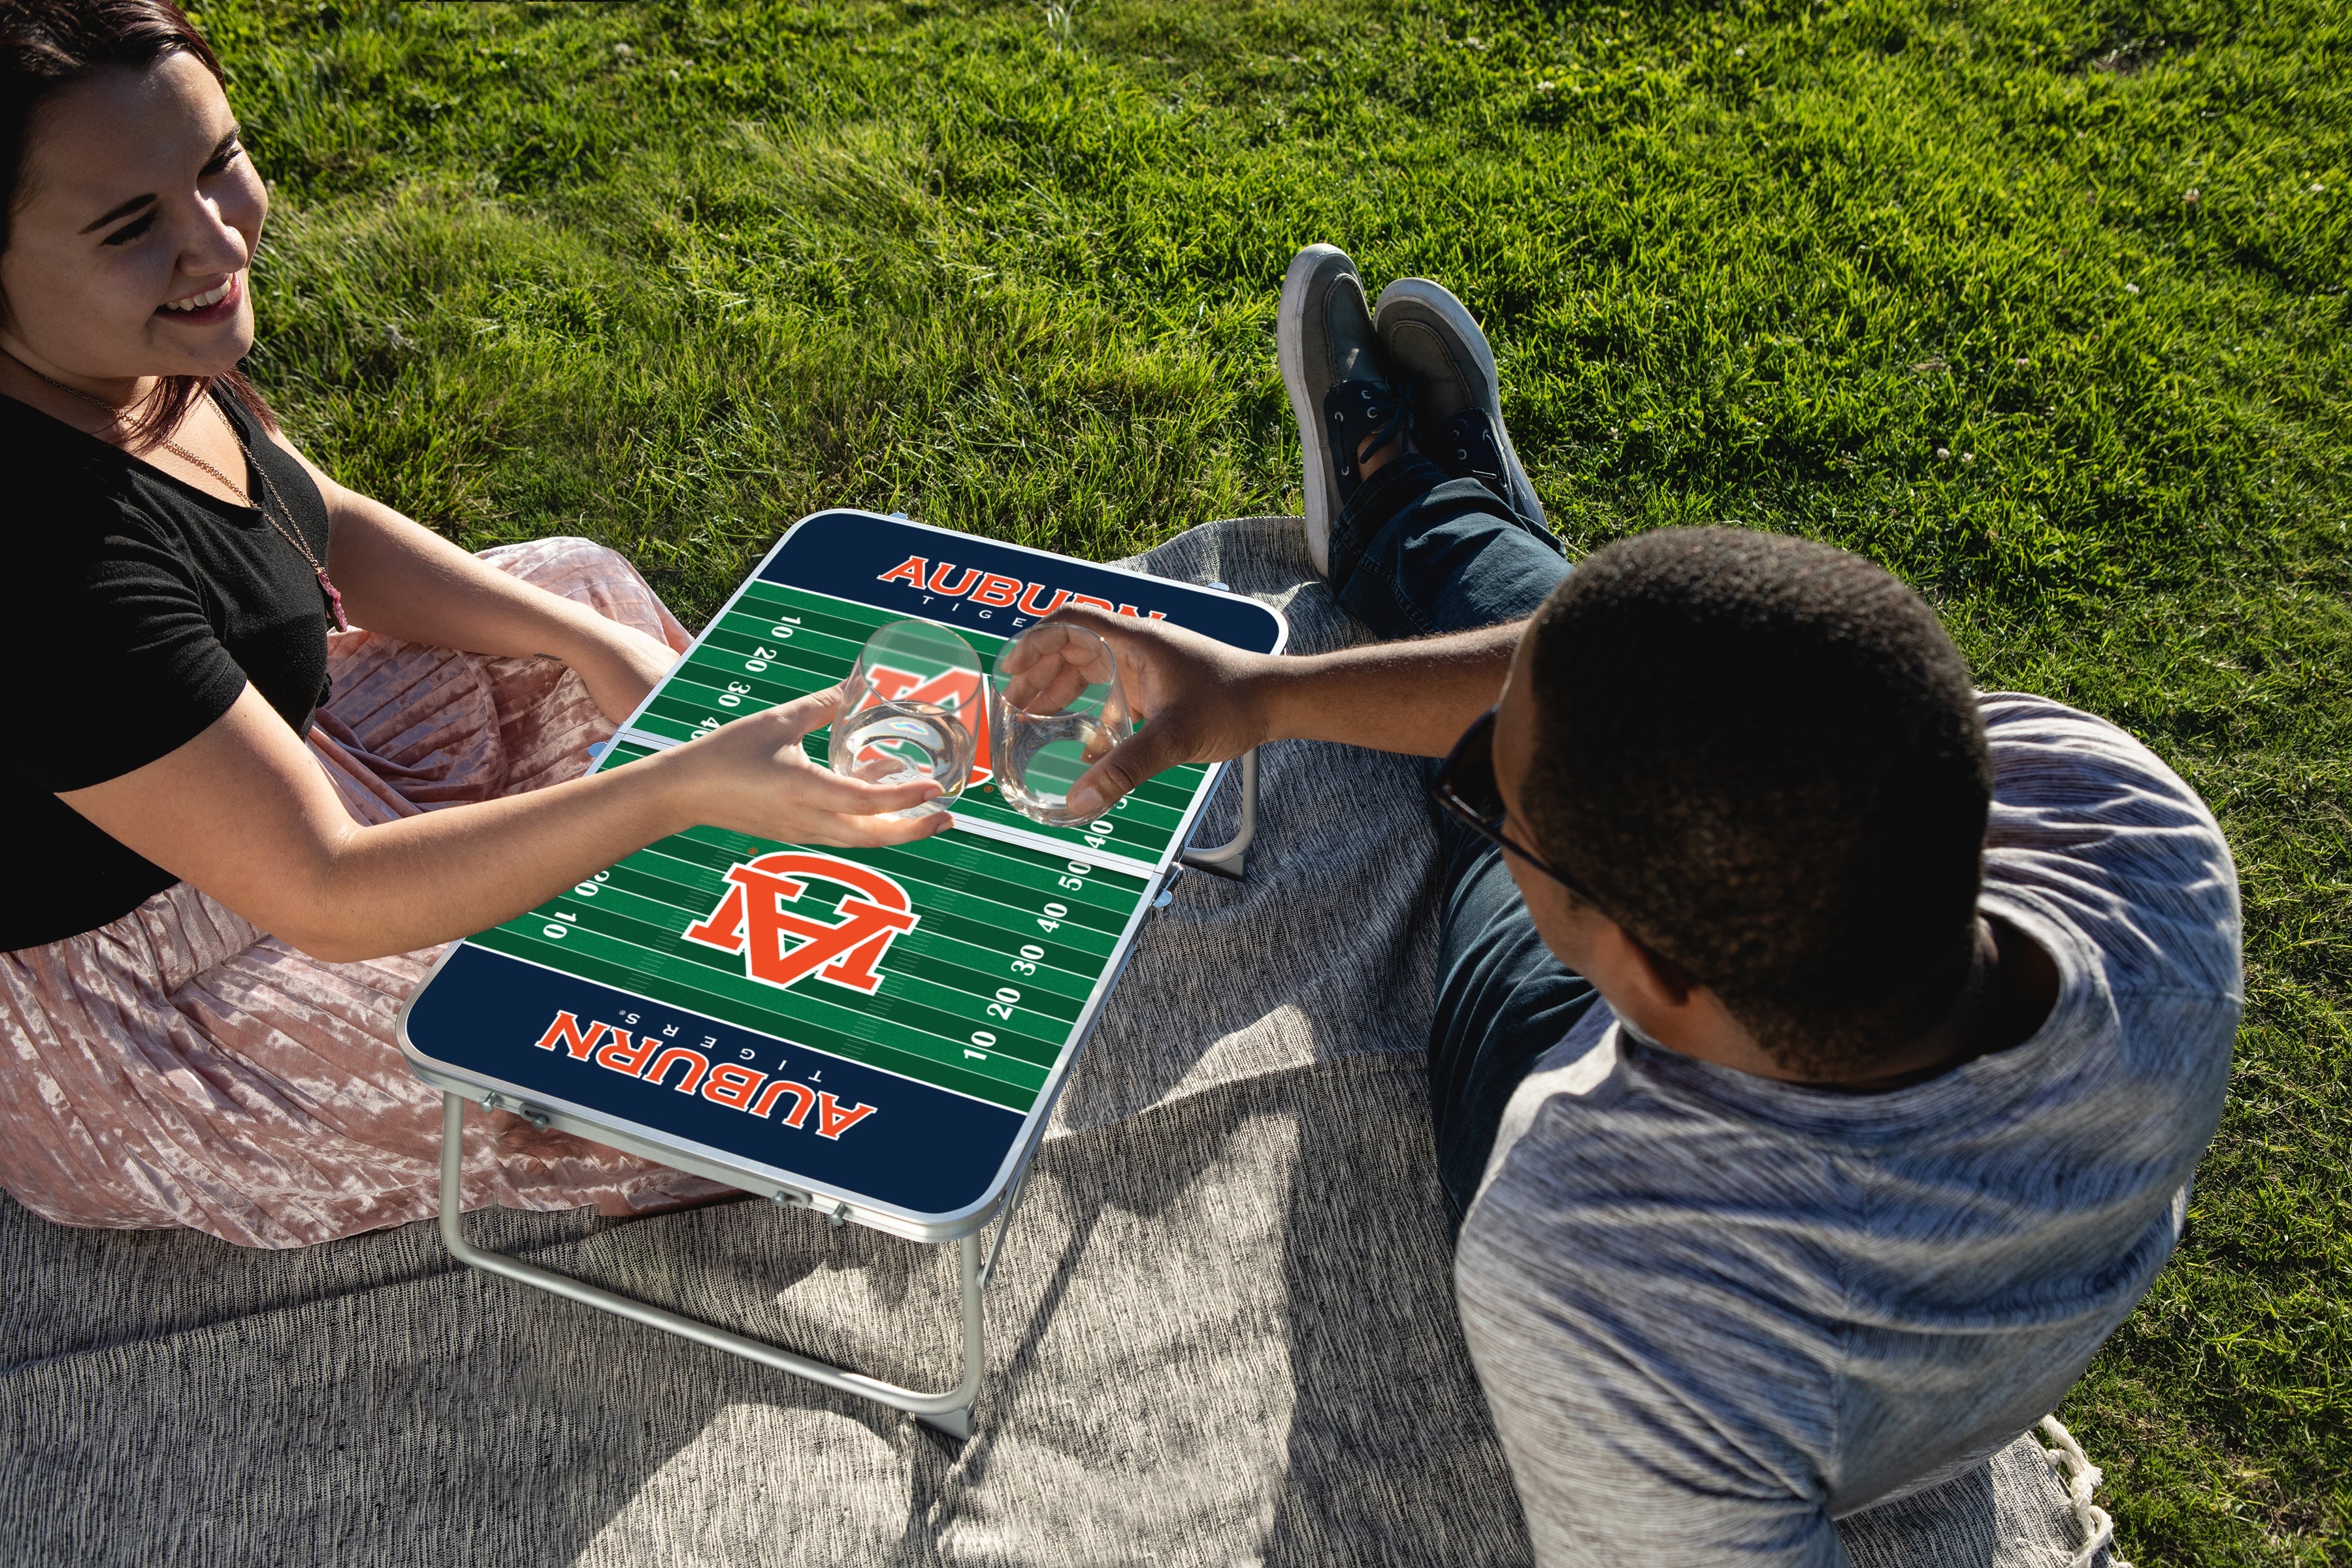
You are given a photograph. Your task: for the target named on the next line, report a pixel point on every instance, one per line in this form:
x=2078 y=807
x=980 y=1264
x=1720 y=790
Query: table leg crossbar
x=950 y=1412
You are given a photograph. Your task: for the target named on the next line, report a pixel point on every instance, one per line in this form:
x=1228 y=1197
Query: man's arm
x=1207 y=702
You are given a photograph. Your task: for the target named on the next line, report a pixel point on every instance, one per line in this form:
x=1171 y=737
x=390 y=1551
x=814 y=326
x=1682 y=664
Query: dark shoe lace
x=1361 y=415
x=1466 y=449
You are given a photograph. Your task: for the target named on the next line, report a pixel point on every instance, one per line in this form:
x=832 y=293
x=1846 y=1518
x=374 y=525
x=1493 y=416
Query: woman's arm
x=400 y=578
x=244 y=813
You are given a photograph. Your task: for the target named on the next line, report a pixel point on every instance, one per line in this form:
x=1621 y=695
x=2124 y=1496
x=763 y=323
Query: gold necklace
x=268 y=492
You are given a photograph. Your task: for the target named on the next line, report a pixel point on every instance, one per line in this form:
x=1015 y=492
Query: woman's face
x=136 y=218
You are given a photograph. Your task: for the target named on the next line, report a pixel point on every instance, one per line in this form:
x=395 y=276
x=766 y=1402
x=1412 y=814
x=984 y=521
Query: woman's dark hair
x=47 y=46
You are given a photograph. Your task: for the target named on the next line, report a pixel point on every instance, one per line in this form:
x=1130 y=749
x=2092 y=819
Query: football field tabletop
x=881 y=1033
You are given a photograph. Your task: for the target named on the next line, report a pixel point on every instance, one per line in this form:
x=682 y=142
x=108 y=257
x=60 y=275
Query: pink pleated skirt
x=182 y=1068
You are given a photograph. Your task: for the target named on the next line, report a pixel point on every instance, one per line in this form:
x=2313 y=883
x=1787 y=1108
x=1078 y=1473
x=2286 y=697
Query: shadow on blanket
x=1222 y=1329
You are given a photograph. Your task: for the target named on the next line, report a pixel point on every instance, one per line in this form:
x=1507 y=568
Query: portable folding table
x=875 y=1035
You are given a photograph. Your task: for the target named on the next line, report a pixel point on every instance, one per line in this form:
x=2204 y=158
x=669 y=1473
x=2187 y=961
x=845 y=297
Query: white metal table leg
x=950 y=1412
x=1229 y=859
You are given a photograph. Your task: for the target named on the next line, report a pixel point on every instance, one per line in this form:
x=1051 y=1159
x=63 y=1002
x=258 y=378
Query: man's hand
x=1203 y=700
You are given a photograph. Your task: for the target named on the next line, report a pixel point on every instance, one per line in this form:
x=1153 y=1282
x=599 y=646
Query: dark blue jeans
x=1414 y=554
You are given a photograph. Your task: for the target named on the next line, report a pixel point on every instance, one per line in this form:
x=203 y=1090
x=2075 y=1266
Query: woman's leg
x=418 y=728
x=178 y=1067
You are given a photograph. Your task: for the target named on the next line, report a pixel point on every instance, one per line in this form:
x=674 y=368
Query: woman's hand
x=619 y=665
x=753 y=776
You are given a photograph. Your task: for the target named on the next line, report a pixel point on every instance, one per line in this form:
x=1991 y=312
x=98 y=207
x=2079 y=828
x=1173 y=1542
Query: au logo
x=957 y=690
x=763 y=917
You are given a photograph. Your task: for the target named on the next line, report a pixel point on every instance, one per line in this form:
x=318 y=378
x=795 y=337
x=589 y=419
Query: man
x=1822 y=1051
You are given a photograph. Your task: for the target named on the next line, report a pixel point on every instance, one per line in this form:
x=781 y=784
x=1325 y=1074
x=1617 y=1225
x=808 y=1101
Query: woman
x=241 y=835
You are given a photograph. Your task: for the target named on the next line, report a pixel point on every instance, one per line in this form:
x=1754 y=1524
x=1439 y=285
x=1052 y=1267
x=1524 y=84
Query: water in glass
x=1056 y=707
x=911 y=710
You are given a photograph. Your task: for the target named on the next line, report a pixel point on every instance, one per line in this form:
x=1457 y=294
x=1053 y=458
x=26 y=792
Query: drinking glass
x=911 y=710
x=1056 y=709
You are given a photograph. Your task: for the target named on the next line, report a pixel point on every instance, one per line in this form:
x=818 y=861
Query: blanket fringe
x=2082 y=1478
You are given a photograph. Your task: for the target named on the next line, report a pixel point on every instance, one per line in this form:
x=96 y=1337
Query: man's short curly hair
x=1764 y=757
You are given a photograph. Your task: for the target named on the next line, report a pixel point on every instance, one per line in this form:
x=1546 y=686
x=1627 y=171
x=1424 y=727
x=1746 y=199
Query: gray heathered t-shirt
x=1715 y=1313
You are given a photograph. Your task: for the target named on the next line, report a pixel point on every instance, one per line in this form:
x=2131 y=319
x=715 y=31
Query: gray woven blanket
x=1223 y=1330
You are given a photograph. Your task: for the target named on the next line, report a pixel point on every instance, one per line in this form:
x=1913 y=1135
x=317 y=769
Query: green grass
x=1013 y=268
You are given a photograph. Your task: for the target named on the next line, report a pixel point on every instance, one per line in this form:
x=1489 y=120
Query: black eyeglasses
x=1465 y=786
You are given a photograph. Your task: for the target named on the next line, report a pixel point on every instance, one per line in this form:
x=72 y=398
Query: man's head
x=1764 y=758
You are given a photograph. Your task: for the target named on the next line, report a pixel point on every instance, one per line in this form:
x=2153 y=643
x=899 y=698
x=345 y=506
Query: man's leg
x=1415 y=554
x=1503 y=1000
x=1414 y=549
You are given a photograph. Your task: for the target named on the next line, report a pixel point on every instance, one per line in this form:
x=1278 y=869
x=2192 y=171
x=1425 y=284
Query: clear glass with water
x=912 y=708
x=1056 y=709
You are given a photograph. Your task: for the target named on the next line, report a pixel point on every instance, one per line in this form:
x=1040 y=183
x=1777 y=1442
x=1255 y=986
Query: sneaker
x=1432 y=340
x=1337 y=380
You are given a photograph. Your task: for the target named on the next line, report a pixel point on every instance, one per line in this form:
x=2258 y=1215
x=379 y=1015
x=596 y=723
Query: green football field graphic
x=1010 y=939
x=775 y=643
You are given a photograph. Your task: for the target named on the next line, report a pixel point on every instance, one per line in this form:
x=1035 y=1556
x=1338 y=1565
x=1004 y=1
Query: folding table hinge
x=494 y=1100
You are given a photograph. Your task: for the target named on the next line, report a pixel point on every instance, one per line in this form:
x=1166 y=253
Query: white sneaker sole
x=1290 y=353
x=1439 y=301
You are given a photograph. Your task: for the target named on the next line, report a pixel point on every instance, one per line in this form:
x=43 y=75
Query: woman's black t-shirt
x=138 y=609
